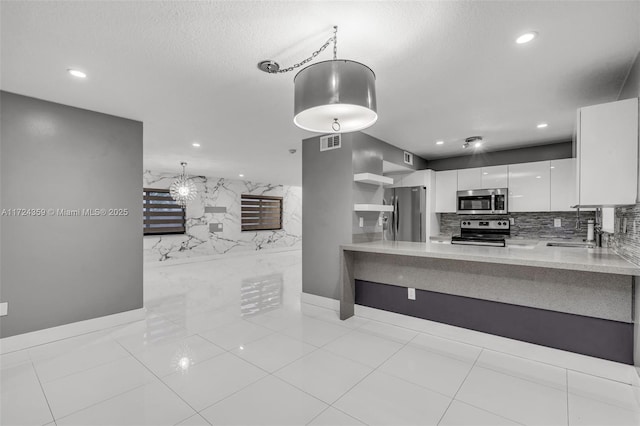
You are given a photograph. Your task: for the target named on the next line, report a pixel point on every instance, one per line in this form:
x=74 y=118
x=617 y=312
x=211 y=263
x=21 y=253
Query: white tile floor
x=228 y=342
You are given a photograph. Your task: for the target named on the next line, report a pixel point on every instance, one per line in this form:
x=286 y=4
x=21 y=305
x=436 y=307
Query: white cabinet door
x=495 y=177
x=470 y=178
x=529 y=187
x=446 y=188
x=607 y=153
x=563 y=184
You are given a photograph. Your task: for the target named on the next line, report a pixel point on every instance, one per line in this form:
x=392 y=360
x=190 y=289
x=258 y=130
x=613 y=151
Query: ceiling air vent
x=329 y=142
x=408 y=158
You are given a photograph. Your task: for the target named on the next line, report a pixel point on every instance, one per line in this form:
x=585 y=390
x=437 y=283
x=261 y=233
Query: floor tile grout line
x=43 y=392
x=101 y=401
x=494 y=350
x=161 y=381
x=84 y=369
x=491 y=412
x=367 y=375
x=318 y=415
x=453 y=398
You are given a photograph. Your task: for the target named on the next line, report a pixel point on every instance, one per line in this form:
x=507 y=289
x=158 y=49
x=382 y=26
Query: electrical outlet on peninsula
x=411 y=293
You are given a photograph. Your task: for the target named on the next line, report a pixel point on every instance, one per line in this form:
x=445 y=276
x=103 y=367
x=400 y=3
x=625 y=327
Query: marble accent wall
x=534 y=225
x=221 y=192
x=627 y=244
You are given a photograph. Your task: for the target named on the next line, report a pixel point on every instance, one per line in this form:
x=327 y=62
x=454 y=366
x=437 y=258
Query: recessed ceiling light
x=526 y=37
x=553 y=167
x=241 y=175
x=196 y=144
x=538 y=177
x=485 y=173
x=77 y=73
x=542 y=125
x=439 y=142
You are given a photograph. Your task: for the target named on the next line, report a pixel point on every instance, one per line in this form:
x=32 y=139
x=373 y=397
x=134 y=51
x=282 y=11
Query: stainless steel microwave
x=482 y=201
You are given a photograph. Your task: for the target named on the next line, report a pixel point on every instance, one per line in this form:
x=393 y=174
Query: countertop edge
x=608 y=269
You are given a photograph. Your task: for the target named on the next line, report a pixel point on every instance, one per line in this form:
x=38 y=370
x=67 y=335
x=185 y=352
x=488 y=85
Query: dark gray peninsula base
x=547 y=296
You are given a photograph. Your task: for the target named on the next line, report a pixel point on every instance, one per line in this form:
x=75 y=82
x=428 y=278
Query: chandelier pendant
x=183 y=189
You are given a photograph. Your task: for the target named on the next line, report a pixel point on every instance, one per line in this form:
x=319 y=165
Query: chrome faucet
x=597 y=228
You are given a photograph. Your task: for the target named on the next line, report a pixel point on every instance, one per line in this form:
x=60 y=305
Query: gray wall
x=329 y=194
x=327 y=206
x=58 y=270
x=510 y=156
x=388 y=152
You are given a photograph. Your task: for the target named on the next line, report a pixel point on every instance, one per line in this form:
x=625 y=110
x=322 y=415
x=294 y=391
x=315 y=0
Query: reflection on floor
x=228 y=342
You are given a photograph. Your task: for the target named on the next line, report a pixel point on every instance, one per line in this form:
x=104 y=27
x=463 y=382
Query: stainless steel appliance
x=407 y=221
x=482 y=201
x=483 y=233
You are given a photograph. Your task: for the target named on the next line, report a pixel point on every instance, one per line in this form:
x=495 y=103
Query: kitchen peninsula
x=575 y=299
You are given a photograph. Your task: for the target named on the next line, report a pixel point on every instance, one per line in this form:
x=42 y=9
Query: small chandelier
x=183 y=189
x=333 y=96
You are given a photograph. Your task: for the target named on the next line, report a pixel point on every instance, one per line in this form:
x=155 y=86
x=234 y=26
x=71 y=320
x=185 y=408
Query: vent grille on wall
x=408 y=158
x=329 y=142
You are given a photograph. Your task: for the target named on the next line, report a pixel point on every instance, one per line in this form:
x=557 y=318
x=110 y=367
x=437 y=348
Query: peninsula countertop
x=533 y=253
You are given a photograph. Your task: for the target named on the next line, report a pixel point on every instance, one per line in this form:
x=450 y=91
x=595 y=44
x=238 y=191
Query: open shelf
x=372 y=179
x=372 y=208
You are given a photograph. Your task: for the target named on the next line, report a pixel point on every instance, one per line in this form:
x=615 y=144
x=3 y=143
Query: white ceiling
x=445 y=70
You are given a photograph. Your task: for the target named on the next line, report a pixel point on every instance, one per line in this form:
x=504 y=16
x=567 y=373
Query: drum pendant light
x=333 y=96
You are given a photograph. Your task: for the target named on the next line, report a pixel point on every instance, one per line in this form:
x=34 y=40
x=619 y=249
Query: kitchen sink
x=575 y=245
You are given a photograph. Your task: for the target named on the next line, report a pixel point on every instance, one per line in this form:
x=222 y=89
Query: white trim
x=323 y=302
x=48 y=335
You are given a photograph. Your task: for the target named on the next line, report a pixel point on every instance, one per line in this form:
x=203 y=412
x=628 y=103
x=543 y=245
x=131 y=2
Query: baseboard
x=323 y=302
x=48 y=335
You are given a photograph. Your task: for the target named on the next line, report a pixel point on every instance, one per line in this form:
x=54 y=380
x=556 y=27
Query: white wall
x=220 y=192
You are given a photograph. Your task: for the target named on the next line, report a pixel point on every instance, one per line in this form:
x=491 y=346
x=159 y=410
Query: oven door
x=471 y=203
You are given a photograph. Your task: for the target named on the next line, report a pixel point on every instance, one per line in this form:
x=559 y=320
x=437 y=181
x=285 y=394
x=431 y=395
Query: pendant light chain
x=333 y=39
x=335 y=42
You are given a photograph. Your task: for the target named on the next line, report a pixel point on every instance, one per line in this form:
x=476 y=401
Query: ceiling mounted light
x=183 y=189
x=241 y=175
x=77 y=73
x=542 y=125
x=334 y=96
x=475 y=140
x=439 y=142
x=526 y=37
x=196 y=144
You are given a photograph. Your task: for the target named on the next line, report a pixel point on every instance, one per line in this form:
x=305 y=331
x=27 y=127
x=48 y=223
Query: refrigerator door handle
x=397 y=216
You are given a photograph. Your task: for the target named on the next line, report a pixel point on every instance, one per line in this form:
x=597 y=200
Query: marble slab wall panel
x=627 y=244
x=534 y=225
x=221 y=192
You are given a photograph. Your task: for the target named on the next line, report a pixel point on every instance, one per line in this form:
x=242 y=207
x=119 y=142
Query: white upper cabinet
x=563 y=184
x=607 y=153
x=470 y=178
x=495 y=177
x=529 y=187
x=446 y=188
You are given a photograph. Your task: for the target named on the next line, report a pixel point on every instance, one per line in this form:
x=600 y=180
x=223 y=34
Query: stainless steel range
x=483 y=233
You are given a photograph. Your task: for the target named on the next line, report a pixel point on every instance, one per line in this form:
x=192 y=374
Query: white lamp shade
x=337 y=89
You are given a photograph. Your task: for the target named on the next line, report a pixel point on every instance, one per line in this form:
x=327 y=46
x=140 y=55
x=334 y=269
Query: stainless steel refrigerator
x=407 y=221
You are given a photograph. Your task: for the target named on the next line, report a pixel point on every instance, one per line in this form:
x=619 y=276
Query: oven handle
x=493 y=203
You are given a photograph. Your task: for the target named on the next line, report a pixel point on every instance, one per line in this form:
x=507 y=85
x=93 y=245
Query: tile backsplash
x=626 y=242
x=534 y=225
